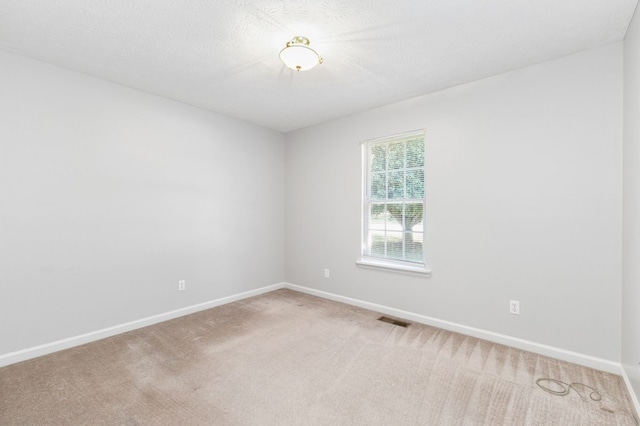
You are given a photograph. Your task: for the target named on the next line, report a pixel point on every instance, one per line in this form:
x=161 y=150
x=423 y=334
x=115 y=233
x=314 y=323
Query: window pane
x=412 y=215
x=377 y=243
x=415 y=183
x=395 y=217
x=396 y=185
x=413 y=246
x=394 y=245
x=379 y=158
x=377 y=217
x=379 y=186
x=396 y=156
x=415 y=153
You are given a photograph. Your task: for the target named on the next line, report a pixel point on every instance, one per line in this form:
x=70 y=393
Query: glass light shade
x=299 y=56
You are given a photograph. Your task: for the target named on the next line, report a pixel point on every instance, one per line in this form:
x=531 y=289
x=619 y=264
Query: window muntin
x=394 y=200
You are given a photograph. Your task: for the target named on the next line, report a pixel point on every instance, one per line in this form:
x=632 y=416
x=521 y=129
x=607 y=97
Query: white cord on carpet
x=594 y=394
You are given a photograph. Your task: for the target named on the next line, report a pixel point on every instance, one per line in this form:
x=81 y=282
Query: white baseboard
x=550 y=351
x=36 y=351
x=634 y=397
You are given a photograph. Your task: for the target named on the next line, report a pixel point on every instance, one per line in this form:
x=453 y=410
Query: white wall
x=631 y=212
x=109 y=196
x=524 y=202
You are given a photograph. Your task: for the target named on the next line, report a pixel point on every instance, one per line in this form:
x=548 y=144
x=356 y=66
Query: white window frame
x=367 y=259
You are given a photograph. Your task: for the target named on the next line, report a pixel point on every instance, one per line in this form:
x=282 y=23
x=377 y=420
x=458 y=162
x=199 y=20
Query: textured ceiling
x=223 y=55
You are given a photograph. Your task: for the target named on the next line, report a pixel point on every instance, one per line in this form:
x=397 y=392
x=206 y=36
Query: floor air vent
x=394 y=321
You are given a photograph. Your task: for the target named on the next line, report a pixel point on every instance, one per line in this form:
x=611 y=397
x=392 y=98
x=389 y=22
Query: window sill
x=378 y=264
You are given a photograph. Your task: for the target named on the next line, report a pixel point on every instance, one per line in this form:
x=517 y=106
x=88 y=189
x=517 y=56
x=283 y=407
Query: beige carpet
x=286 y=358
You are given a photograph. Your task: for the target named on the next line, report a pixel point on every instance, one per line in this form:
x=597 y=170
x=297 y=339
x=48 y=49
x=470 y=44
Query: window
x=394 y=202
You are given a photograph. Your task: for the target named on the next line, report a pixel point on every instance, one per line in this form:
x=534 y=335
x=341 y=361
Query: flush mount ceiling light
x=298 y=55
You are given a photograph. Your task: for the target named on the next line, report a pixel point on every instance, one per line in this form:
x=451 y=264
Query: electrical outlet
x=514 y=307
x=326 y=273
x=182 y=285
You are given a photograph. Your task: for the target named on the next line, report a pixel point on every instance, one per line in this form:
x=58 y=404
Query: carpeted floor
x=286 y=358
